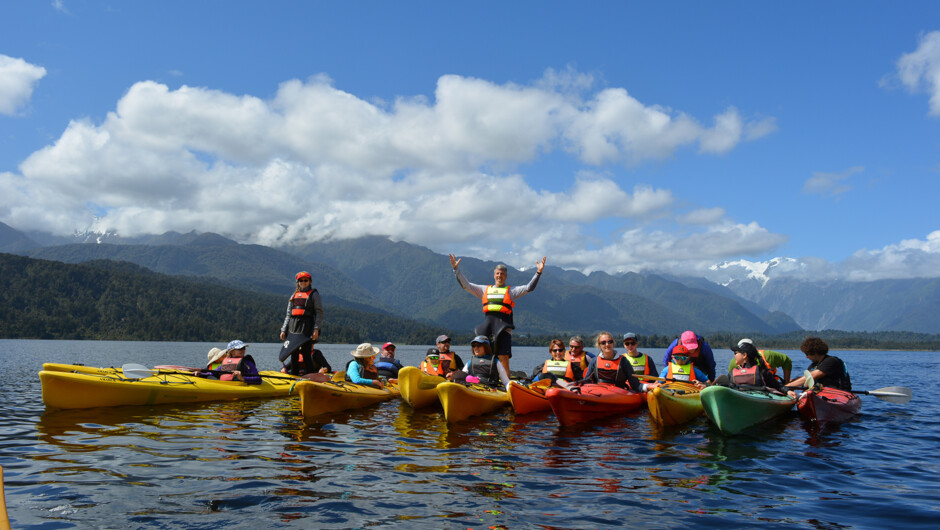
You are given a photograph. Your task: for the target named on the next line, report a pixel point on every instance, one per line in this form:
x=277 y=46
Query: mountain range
x=399 y=279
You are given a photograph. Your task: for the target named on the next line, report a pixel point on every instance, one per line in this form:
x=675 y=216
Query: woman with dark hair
x=826 y=370
x=750 y=370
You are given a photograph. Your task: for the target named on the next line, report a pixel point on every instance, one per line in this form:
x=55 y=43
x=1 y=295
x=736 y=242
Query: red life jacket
x=448 y=362
x=746 y=376
x=298 y=303
x=605 y=370
x=228 y=366
x=582 y=360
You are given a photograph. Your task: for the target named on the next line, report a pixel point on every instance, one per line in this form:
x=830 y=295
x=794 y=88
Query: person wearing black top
x=826 y=369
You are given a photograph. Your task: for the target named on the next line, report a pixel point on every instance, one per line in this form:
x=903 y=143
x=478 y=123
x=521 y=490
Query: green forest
x=108 y=300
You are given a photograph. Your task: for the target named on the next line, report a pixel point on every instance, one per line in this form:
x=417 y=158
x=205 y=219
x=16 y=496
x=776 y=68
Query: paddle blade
x=808 y=381
x=136 y=371
x=891 y=394
x=339 y=376
x=542 y=382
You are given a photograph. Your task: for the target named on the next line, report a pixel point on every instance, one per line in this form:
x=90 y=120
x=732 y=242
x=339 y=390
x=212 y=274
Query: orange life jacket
x=228 y=366
x=430 y=369
x=497 y=300
x=679 y=373
x=605 y=370
x=298 y=303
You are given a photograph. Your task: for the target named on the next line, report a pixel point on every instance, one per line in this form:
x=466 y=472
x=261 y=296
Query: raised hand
x=540 y=265
x=454 y=262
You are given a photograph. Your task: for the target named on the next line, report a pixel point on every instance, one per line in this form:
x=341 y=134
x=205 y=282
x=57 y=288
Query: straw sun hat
x=365 y=350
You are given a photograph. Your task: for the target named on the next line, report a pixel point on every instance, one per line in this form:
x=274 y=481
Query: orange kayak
x=526 y=399
x=592 y=401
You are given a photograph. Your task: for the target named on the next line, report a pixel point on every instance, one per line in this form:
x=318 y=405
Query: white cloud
x=316 y=162
x=18 y=78
x=920 y=69
x=911 y=258
x=830 y=184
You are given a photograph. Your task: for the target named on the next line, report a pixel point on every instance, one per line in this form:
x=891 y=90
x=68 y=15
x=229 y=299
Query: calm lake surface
x=255 y=464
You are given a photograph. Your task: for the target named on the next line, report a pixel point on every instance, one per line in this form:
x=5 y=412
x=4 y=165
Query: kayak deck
x=528 y=399
x=318 y=398
x=734 y=410
x=828 y=404
x=462 y=401
x=79 y=387
x=674 y=403
x=592 y=401
x=418 y=389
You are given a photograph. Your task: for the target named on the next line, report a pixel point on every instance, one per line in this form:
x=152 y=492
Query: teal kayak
x=734 y=410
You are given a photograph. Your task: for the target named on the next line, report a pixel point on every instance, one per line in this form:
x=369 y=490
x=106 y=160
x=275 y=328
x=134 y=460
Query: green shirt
x=774 y=358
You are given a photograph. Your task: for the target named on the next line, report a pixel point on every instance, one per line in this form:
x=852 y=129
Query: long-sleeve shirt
x=624 y=378
x=478 y=290
x=705 y=359
x=354 y=373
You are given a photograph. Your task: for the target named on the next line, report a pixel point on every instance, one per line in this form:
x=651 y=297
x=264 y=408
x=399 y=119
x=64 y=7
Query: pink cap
x=689 y=340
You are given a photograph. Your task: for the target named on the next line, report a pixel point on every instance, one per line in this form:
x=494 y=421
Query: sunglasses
x=556 y=350
x=304 y=280
x=629 y=343
x=681 y=357
x=605 y=342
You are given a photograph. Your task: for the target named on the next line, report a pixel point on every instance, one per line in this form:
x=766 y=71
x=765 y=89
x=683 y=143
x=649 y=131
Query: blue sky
x=658 y=136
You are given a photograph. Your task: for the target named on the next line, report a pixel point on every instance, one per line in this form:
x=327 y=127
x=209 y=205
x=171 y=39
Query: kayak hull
x=318 y=398
x=828 y=404
x=418 y=389
x=594 y=401
x=733 y=410
x=674 y=404
x=4 y=517
x=90 y=387
x=461 y=401
x=528 y=399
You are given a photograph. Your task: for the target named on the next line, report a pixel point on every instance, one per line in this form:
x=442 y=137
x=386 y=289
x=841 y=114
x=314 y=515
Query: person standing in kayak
x=499 y=301
x=699 y=350
x=304 y=316
x=609 y=367
x=772 y=359
x=750 y=370
x=642 y=363
x=826 y=370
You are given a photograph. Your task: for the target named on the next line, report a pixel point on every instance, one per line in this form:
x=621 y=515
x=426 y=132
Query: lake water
x=255 y=464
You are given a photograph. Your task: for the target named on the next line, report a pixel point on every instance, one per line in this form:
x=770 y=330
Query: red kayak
x=591 y=401
x=828 y=404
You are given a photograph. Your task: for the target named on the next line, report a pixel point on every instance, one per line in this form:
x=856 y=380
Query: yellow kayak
x=674 y=403
x=418 y=389
x=335 y=396
x=4 y=518
x=462 y=401
x=81 y=387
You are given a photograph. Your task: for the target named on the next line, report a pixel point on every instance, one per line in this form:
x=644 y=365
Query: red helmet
x=303 y=274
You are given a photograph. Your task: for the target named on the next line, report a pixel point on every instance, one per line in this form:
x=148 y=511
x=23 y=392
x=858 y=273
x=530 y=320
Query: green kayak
x=733 y=410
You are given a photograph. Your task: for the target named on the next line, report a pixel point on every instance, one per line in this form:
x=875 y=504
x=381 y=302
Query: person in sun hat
x=304 y=316
x=235 y=366
x=387 y=364
x=642 y=363
x=361 y=370
x=680 y=368
x=772 y=359
x=215 y=357
x=699 y=351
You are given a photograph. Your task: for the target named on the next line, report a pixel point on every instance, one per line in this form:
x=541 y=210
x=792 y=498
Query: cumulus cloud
x=830 y=184
x=315 y=162
x=18 y=78
x=920 y=69
x=911 y=258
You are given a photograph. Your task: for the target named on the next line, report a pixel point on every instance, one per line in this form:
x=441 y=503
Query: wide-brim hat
x=215 y=354
x=365 y=350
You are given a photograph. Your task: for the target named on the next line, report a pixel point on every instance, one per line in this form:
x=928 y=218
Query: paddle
x=891 y=394
x=339 y=376
x=139 y=371
x=808 y=381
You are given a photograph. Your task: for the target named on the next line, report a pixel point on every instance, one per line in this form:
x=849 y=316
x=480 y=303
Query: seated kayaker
x=484 y=367
x=773 y=360
x=577 y=354
x=642 y=363
x=826 y=370
x=451 y=359
x=556 y=367
x=750 y=370
x=361 y=370
x=387 y=364
x=609 y=367
x=699 y=350
x=680 y=368
x=215 y=357
x=236 y=366
x=432 y=363
x=320 y=364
